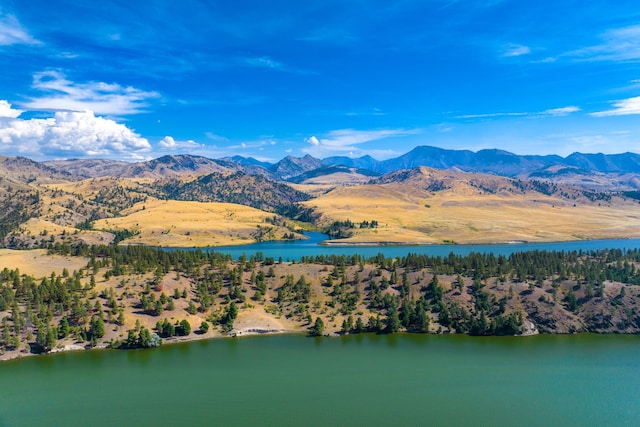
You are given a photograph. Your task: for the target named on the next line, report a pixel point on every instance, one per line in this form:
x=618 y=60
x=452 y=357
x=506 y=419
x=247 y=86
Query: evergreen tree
x=96 y=327
x=318 y=328
x=204 y=327
x=392 y=321
x=63 y=328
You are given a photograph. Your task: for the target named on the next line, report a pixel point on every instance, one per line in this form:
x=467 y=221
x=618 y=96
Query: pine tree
x=318 y=327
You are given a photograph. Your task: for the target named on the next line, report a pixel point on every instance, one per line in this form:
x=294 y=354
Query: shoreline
x=193 y=337
x=374 y=243
x=182 y=340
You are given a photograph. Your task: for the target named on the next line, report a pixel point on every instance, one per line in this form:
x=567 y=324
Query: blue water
x=295 y=250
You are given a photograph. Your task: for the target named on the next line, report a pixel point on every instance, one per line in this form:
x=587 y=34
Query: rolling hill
x=433 y=206
x=162 y=167
x=543 y=198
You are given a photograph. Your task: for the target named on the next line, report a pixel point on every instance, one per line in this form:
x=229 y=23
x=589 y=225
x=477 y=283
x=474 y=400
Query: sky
x=136 y=80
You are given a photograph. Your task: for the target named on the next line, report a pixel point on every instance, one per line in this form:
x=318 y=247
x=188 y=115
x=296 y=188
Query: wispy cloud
x=264 y=62
x=102 y=98
x=12 y=32
x=489 y=115
x=253 y=144
x=623 y=107
x=555 y=112
x=272 y=64
x=562 y=111
x=373 y=112
x=620 y=44
x=215 y=137
x=513 y=50
x=347 y=140
x=71 y=134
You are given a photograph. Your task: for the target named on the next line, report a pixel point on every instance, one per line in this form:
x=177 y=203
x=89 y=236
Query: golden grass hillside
x=466 y=211
x=38 y=263
x=188 y=224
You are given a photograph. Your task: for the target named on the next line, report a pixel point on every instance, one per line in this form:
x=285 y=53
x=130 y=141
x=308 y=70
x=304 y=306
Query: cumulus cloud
x=168 y=142
x=622 y=107
x=11 y=32
x=6 y=111
x=71 y=134
x=312 y=140
x=61 y=94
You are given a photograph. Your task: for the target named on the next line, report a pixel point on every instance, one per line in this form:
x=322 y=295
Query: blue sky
x=139 y=79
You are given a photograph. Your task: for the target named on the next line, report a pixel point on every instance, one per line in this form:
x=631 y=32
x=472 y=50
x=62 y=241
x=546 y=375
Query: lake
x=295 y=250
x=400 y=379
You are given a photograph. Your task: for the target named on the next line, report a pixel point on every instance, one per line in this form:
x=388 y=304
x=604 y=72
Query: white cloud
x=214 y=137
x=485 y=115
x=102 y=98
x=623 y=107
x=312 y=140
x=272 y=64
x=7 y=112
x=347 y=140
x=11 y=32
x=516 y=50
x=71 y=134
x=168 y=142
x=620 y=44
x=253 y=144
x=264 y=62
x=563 y=111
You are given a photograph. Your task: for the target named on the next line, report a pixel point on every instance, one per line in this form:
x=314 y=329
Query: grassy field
x=187 y=224
x=461 y=216
x=37 y=263
x=420 y=206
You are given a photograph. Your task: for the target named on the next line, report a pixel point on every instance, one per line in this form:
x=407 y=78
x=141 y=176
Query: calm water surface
x=296 y=249
x=358 y=380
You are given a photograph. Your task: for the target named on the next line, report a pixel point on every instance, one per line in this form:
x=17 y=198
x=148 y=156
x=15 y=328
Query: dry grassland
x=42 y=228
x=90 y=187
x=188 y=224
x=37 y=263
x=411 y=216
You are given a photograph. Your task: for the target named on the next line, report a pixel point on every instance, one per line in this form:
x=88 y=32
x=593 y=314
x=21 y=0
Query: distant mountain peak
x=291 y=166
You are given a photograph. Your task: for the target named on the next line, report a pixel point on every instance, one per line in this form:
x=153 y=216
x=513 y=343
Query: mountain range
x=428 y=195
x=612 y=172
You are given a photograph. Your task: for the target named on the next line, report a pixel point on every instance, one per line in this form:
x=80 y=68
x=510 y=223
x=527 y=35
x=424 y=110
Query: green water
x=358 y=380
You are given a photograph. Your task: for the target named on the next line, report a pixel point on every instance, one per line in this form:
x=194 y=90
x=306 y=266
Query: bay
x=295 y=250
x=400 y=379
